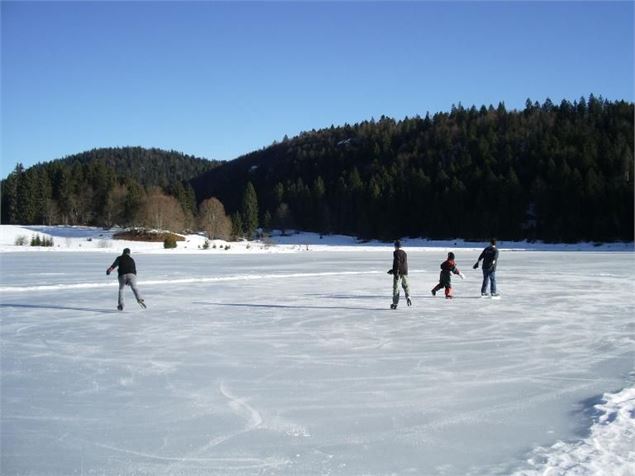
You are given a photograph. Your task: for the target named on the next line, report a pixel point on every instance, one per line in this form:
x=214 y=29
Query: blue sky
x=220 y=79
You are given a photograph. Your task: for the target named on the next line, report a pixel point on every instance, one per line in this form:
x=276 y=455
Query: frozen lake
x=294 y=364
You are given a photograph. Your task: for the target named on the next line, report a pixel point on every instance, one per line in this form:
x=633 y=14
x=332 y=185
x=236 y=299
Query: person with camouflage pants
x=399 y=272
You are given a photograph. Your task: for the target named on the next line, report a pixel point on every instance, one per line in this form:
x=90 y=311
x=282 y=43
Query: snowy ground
x=78 y=238
x=292 y=363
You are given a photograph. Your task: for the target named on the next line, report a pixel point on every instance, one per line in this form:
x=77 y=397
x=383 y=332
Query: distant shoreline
x=83 y=238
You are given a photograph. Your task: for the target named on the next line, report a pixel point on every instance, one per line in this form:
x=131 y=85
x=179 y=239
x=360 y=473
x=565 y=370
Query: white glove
x=461 y=275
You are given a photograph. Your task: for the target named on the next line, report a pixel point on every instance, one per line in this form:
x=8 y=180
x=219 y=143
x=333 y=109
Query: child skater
x=448 y=268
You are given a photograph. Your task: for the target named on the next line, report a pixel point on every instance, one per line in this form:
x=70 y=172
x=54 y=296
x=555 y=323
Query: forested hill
x=553 y=172
x=100 y=187
x=146 y=166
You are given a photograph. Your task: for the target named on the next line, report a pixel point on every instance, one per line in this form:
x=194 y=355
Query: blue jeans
x=490 y=276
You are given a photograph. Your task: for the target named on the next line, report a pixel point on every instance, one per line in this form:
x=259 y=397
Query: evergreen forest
x=553 y=172
x=559 y=173
x=102 y=187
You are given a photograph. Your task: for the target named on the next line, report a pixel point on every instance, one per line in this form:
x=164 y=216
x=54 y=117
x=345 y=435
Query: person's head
x=126 y=251
x=450 y=255
x=493 y=241
x=397 y=244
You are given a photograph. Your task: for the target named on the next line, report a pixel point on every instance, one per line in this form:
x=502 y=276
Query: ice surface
x=293 y=364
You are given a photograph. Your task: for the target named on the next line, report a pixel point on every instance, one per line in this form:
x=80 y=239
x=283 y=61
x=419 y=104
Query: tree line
x=552 y=172
x=129 y=186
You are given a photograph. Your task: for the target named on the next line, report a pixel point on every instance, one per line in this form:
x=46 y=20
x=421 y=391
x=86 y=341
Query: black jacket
x=400 y=263
x=490 y=258
x=125 y=264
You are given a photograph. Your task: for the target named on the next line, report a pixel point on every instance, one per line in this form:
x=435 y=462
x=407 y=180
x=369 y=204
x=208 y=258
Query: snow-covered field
x=79 y=238
x=263 y=362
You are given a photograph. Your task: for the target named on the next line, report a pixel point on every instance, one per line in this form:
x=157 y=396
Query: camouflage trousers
x=397 y=279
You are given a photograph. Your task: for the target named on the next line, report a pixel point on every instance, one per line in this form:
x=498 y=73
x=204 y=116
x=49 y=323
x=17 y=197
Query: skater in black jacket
x=399 y=272
x=490 y=260
x=127 y=274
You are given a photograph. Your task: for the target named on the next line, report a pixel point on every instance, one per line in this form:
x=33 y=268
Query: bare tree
x=213 y=219
x=162 y=211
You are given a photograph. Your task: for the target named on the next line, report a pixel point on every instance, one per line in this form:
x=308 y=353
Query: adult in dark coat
x=127 y=275
x=490 y=261
x=399 y=272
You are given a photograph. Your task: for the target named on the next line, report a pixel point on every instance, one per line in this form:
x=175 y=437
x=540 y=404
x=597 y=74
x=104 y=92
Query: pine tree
x=282 y=218
x=237 y=226
x=10 y=196
x=267 y=220
x=43 y=194
x=249 y=210
x=132 y=203
x=26 y=198
x=62 y=193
